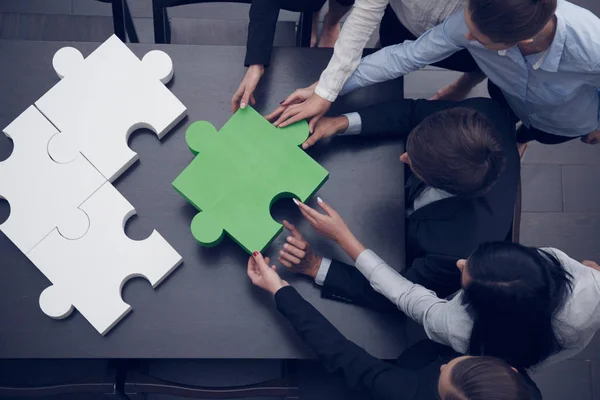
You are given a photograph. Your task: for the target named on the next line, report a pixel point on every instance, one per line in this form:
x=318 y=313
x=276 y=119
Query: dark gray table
x=207 y=308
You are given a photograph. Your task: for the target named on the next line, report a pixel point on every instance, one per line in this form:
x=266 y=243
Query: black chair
x=162 y=27
x=58 y=379
x=123 y=21
x=142 y=380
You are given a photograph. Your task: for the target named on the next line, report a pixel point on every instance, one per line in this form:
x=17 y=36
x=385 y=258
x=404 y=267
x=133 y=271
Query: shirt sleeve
x=393 y=61
x=362 y=21
x=437 y=316
x=354 y=124
x=323 y=270
x=261 y=31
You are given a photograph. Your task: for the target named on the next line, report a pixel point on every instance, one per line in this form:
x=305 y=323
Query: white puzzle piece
x=89 y=273
x=42 y=194
x=103 y=98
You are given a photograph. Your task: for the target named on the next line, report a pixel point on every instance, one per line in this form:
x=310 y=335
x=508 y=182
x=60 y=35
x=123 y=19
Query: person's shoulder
x=582 y=34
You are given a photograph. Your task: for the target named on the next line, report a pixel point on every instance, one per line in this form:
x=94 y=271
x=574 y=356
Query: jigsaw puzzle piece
x=42 y=194
x=89 y=273
x=103 y=98
x=239 y=172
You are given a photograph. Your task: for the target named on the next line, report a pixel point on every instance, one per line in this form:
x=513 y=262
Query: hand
x=591 y=264
x=592 y=137
x=332 y=226
x=326 y=127
x=262 y=275
x=297 y=255
x=244 y=95
x=313 y=108
x=298 y=96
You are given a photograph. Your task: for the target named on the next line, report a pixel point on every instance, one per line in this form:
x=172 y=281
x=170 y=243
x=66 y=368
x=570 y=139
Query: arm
x=393 y=61
x=435 y=272
x=398 y=117
x=344 y=282
x=357 y=30
x=261 y=31
x=361 y=371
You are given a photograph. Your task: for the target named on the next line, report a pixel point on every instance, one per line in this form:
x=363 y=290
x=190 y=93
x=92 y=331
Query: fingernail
x=242 y=105
x=319 y=200
x=289 y=238
x=304 y=146
x=281 y=252
x=296 y=201
x=285 y=246
x=255 y=253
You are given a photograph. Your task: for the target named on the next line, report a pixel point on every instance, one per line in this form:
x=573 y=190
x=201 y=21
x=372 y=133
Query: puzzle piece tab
x=89 y=273
x=103 y=98
x=42 y=194
x=239 y=172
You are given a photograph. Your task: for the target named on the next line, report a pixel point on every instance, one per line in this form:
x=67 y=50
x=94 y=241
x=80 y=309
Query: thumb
x=325 y=207
x=246 y=98
x=312 y=139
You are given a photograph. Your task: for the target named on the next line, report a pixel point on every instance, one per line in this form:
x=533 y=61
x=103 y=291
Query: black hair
x=513 y=295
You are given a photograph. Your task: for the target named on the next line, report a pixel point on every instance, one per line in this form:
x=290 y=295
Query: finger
x=307 y=209
x=313 y=222
x=285 y=263
x=251 y=267
x=299 y=244
x=274 y=268
x=312 y=139
x=275 y=113
x=252 y=99
x=292 y=98
x=292 y=120
x=294 y=251
x=246 y=98
x=326 y=207
x=293 y=230
x=267 y=260
x=288 y=113
x=289 y=257
x=259 y=260
x=313 y=123
x=235 y=100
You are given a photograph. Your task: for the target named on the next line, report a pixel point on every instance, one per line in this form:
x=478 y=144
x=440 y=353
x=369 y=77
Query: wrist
x=278 y=287
x=351 y=246
x=342 y=124
x=314 y=268
x=257 y=68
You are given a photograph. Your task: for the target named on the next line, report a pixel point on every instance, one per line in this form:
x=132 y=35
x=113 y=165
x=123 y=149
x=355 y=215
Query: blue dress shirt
x=556 y=91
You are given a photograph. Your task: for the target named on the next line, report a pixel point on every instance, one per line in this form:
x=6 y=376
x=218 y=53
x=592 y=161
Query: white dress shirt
x=417 y=16
x=448 y=322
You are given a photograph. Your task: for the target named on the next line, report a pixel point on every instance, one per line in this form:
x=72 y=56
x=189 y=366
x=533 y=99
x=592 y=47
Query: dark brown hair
x=455 y=150
x=510 y=21
x=486 y=378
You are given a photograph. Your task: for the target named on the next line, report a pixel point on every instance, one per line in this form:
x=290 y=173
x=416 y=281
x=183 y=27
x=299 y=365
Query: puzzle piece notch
x=88 y=274
x=241 y=152
x=103 y=98
x=42 y=194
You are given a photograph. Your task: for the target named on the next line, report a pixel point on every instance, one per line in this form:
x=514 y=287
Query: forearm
x=261 y=31
x=338 y=355
x=394 y=61
x=357 y=30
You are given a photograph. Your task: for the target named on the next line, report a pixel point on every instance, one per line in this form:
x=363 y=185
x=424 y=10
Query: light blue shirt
x=556 y=91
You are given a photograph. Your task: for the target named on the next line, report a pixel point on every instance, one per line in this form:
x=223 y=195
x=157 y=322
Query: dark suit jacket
x=413 y=376
x=263 y=21
x=438 y=234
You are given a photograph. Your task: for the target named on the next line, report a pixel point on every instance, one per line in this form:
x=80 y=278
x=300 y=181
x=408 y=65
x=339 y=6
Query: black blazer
x=439 y=234
x=263 y=22
x=413 y=376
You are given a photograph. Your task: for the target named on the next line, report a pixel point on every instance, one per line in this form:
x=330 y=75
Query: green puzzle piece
x=239 y=172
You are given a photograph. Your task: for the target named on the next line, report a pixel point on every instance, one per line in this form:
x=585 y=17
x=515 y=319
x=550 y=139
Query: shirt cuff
x=354 y=124
x=367 y=262
x=323 y=270
x=328 y=95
